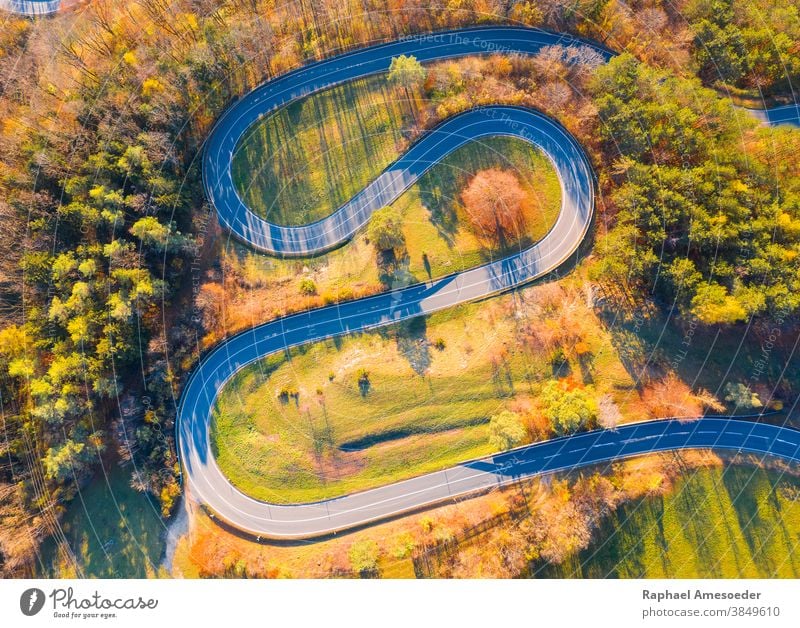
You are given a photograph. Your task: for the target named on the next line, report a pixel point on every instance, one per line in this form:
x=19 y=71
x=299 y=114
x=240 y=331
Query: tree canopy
x=385 y=229
x=708 y=208
x=568 y=408
x=406 y=71
x=506 y=430
x=494 y=201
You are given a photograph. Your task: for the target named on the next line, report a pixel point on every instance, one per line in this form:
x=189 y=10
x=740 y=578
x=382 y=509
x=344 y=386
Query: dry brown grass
x=20 y=534
x=249 y=291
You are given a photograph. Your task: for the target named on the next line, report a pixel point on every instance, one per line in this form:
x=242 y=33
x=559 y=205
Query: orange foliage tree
x=495 y=203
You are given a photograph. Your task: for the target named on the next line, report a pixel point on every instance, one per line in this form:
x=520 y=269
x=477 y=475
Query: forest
x=105 y=228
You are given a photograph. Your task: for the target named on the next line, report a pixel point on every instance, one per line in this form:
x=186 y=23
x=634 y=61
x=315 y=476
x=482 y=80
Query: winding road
x=330 y=232
x=203 y=476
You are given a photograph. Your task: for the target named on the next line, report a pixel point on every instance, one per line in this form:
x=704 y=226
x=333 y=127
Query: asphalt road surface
x=202 y=475
x=338 y=227
x=787 y=114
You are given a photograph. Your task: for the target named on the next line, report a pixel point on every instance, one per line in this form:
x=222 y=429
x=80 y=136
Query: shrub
x=363 y=556
x=363 y=381
x=506 y=430
x=308 y=287
x=286 y=392
x=404 y=546
x=741 y=396
x=568 y=409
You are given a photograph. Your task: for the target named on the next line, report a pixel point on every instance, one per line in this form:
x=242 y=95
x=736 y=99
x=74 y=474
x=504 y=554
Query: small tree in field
x=385 y=230
x=408 y=73
x=307 y=286
x=363 y=556
x=495 y=201
x=506 y=430
x=568 y=409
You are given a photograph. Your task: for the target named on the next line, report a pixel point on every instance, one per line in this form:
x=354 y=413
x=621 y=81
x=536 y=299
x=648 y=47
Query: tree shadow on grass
x=412 y=343
x=745 y=487
x=502 y=376
x=693 y=508
x=436 y=194
x=113 y=530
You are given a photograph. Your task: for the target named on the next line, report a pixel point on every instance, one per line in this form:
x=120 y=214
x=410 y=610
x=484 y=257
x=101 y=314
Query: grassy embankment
x=730 y=522
x=111 y=530
x=424 y=408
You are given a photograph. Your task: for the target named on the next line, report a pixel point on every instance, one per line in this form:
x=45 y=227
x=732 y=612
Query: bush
x=568 y=409
x=506 y=430
x=440 y=344
x=308 y=287
x=404 y=546
x=363 y=381
x=741 y=396
x=363 y=557
x=286 y=392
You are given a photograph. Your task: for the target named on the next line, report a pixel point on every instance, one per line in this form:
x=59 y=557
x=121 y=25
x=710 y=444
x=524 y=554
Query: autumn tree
x=495 y=203
x=698 y=222
x=363 y=556
x=568 y=408
x=385 y=230
x=506 y=430
x=408 y=73
x=672 y=397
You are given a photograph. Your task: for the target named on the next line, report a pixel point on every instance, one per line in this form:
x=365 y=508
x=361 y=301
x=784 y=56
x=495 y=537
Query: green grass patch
x=439 y=240
x=305 y=426
x=112 y=530
x=300 y=163
x=732 y=522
